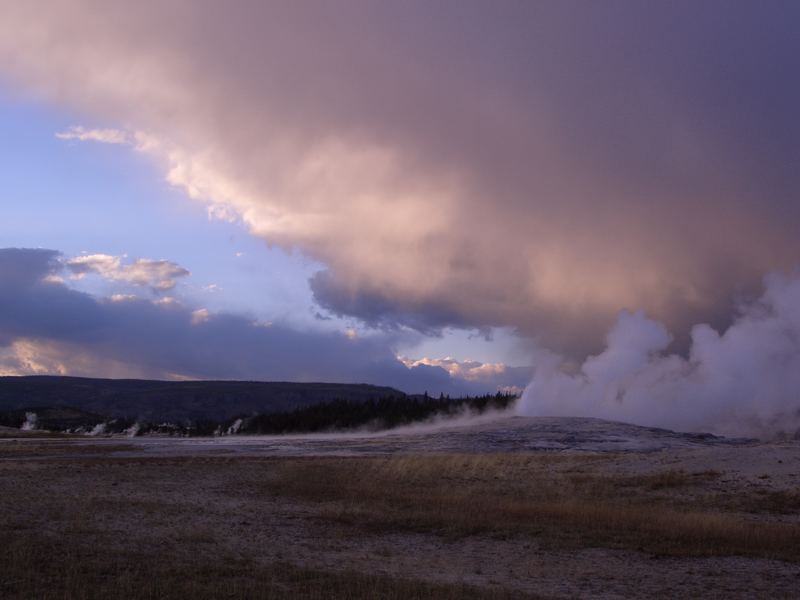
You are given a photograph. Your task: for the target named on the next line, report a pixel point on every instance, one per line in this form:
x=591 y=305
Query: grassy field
x=49 y=568
x=667 y=512
x=76 y=522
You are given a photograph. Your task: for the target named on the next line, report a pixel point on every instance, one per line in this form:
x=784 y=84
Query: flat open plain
x=499 y=507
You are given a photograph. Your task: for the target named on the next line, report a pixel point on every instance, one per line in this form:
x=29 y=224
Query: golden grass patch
x=562 y=500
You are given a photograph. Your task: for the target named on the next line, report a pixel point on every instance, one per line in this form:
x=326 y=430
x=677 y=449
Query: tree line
x=374 y=414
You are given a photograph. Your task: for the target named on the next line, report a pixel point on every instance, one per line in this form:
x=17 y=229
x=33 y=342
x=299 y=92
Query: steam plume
x=745 y=381
x=30 y=421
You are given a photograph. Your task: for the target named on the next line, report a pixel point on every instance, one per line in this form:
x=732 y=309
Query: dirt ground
x=547 y=524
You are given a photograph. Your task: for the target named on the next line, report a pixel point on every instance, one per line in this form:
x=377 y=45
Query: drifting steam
x=745 y=381
x=98 y=429
x=235 y=427
x=30 y=421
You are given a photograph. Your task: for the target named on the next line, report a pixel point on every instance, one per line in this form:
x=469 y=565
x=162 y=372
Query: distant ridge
x=175 y=401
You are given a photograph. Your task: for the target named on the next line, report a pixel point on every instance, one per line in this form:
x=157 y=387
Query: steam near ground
x=30 y=421
x=433 y=424
x=743 y=381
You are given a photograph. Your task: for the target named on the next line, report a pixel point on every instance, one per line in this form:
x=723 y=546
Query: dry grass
x=34 y=566
x=10 y=432
x=782 y=502
x=84 y=525
x=505 y=495
x=54 y=448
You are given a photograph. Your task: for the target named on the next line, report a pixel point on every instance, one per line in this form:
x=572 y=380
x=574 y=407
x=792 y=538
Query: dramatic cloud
x=46 y=327
x=157 y=274
x=745 y=381
x=534 y=164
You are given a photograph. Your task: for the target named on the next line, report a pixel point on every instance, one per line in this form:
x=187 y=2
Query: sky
x=429 y=195
x=90 y=199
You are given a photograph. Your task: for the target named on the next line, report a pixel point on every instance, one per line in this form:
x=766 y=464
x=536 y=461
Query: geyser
x=744 y=381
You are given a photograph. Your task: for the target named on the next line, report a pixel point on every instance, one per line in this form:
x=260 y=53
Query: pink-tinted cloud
x=539 y=165
x=160 y=275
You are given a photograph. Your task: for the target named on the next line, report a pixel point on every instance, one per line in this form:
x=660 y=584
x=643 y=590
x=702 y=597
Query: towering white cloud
x=742 y=381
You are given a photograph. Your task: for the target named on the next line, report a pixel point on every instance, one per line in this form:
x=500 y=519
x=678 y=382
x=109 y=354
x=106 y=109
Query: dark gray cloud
x=25 y=267
x=64 y=330
x=378 y=310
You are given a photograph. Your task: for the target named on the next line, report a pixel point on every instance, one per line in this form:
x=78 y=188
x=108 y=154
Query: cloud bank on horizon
x=46 y=327
x=539 y=166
